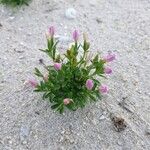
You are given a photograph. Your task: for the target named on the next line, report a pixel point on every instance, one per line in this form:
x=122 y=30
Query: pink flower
x=89 y=84
x=110 y=57
x=108 y=70
x=75 y=35
x=103 y=89
x=51 y=31
x=57 y=66
x=33 y=83
x=66 y=101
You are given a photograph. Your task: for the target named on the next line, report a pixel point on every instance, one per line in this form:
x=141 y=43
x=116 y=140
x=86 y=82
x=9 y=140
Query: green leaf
x=49 y=44
x=55 y=106
x=86 y=46
x=61 y=109
x=43 y=50
x=47 y=95
x=92 y=97
x=38 y=73
x=95 y=58
x=54 y=50
x=37 y=90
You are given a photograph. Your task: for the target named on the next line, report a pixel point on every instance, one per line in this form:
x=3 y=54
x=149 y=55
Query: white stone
x=102 y=117
x=12 y=18
x=21 y=57
x=70 y=13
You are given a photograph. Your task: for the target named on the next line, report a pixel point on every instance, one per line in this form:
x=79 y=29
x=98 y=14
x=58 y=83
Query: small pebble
x=102 y=117
x=36 y=112
x=21 y=57
x=24 y=132
x=70 y=13
x=99 y=20
x=62 y=132
x=84 y=123
x=148 y=130
x=22 y=44
x=8 y=38
x=12 y=18
x=24 y=142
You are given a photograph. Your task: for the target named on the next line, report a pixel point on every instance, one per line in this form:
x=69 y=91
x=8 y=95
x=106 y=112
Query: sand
x=120 y=26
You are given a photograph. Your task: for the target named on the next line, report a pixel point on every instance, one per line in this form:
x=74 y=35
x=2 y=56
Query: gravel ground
x=27 y=122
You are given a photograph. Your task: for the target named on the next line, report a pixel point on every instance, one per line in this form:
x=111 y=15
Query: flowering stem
x=80 y=62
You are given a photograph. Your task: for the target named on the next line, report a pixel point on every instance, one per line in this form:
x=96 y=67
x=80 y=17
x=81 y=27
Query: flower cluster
x=71 y=81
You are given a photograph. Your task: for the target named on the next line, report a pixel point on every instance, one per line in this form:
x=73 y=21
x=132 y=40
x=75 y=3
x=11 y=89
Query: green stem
x=82 y=59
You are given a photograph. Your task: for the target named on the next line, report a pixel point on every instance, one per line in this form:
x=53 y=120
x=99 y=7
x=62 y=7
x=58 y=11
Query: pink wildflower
x=89 y=84
x=57 y=66
x=51 y=31
x=110 y=57
x=75 y=35
x=108 y=70
x=103 y=89
x=33 y=83
x=66 y=101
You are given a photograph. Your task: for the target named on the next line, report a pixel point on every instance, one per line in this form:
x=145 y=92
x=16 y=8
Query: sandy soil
x=27 y=122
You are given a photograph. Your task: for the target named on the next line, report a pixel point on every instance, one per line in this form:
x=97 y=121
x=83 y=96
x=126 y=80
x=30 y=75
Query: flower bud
x=51 y=31
x=108 y=70
x=57 y=66
x=89 y=84
x=75 y=35
x=66 y=101
x=110 y=57
x=103 y=89
x=33 y=83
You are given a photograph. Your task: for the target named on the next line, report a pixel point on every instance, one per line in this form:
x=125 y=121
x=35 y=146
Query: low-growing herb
x=73 y=79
